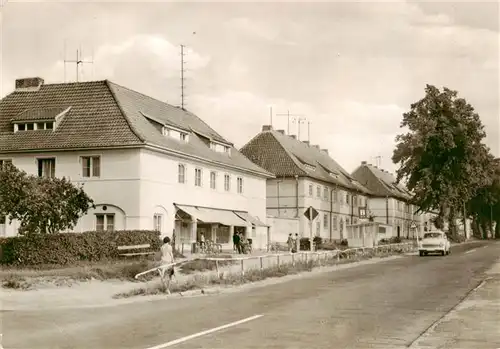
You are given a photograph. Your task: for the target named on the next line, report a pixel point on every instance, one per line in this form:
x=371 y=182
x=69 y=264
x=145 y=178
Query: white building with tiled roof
x=146 y=164
x=307 y=176
x=391 y=203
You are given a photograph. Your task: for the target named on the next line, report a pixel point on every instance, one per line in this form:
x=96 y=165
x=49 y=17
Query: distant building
x=307 y=176
x=146 y=164
x=391 y=203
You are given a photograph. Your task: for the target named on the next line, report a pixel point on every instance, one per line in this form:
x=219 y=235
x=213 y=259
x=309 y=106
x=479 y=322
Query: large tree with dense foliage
x=484 y=207
x=442 y=157
x=41 y=205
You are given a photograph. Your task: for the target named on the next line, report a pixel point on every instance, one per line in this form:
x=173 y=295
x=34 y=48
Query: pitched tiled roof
x=104 y=114
x=380 y=182
x=283 y=155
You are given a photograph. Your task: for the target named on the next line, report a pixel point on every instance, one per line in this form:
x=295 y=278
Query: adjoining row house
x=307 y=176
x=391 y=203
x=146 y=164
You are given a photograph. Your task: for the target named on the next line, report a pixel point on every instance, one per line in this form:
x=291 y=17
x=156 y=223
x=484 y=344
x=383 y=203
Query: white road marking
x=203 y=333
x=470 y=251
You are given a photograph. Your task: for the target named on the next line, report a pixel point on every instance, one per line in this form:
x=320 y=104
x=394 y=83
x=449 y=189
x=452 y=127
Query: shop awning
x=212 y=215
x=251 y=219
x=222 y=217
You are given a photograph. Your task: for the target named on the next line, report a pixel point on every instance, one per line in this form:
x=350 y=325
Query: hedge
x=70 y=248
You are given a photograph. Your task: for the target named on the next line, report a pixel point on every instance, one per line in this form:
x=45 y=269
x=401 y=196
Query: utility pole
x=78 y=61
x=271 y=116
x=288 y=115
x=182 y=77
x=308 y=131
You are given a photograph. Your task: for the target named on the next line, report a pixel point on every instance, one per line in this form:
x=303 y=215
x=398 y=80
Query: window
x=334 y=223
x=21 y=127
x=213 y=180
x=105 y=222
x=181 y=173
x=3 y=163
x=157 y=221
x=318 y=191
x=362 y=212
x=318 y=228
x=47 y=168
x=347 y=198
x=197 y=177
x=227 y=182
x=30 y=127
x=325 y=220
x=239 y=182
x=335 y=196
x=325 y=193
x=91 y=166
x=310 y=190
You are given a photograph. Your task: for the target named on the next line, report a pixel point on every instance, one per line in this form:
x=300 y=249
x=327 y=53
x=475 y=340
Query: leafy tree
x=484 y=207
x=442 y=157
x=41 y=205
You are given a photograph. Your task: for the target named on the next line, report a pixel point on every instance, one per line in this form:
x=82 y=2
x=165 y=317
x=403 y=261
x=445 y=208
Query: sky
x=349 y=69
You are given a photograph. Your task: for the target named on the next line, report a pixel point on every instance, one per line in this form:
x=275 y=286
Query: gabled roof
x=283 y=155
x=380 y=182
x=106 y=115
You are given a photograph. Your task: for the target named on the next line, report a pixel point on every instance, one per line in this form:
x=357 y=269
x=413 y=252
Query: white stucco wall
x=117 y=187
x=282 y=201
x=159 y=190
x=137 y=183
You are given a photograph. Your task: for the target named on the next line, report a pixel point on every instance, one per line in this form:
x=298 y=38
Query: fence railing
x=266 y=261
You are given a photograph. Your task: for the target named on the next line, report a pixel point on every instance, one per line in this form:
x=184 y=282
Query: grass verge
x=199 y=282
x=27 y=278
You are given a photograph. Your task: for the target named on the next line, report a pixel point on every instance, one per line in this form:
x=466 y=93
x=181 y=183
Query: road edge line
x=203 y=333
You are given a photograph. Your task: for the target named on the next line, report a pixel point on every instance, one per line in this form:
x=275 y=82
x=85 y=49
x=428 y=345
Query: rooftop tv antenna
x=300 y=120
x=308 y=131
x=291 y=117
x=79 y=61
x=183 y=85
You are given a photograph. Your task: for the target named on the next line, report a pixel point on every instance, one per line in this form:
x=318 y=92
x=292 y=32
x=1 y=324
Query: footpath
x=475 y=323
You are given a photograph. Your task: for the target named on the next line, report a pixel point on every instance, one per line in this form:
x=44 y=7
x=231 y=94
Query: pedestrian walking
x=290 y=242
x=237 y=241
x=167 y=257
x=297 y=242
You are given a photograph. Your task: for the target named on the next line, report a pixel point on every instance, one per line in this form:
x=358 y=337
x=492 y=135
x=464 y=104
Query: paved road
x=386 y=305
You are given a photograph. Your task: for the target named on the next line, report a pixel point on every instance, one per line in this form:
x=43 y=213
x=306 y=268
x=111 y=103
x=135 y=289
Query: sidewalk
x=475 y=323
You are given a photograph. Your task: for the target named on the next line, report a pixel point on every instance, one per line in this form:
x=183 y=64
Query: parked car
x=434 y=242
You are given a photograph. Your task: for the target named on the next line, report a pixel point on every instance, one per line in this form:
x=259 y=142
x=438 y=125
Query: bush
x=70 y=248
x=305 y=243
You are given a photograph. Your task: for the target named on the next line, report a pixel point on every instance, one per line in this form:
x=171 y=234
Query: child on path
x=167 y=257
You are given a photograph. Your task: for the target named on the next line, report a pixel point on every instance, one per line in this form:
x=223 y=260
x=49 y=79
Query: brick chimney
x=267 y=128
x=281 y=131
x=325 y=151
x=29 y=84
x=305 y=142
x=316 y=146
x=364 y=163
x=293 y=136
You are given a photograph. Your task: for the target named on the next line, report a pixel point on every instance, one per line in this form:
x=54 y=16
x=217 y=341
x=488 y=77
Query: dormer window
x=175 y=134
x=310 y=167
x=39 y=119
x=220 y=148
x=33 y=126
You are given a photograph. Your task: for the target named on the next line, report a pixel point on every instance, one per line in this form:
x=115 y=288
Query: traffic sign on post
x=311 y=213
